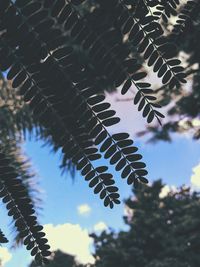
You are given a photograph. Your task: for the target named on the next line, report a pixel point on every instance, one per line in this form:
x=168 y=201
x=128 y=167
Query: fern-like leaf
x=145 y=34
x=18 y=204
x=184 y=19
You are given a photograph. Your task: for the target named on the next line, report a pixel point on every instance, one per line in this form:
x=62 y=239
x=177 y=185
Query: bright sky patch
x=195 y=178
x=84 y=209
x=100 y=226
x=5 y=256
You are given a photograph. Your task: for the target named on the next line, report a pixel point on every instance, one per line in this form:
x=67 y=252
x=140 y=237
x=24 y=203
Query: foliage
x=60 y=259
x=183 y=105
x=60 y=58
x=163 y=231
x=19 y=205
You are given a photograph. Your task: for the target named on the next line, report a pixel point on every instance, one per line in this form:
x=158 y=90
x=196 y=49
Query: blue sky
x=71 y=210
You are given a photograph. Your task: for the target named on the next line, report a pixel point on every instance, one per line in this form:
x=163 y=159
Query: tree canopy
x=60 y=259
x=163 y=231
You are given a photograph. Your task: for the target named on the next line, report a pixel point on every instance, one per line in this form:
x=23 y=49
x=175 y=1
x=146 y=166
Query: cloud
x=166 y=190
x=5 y=256
x=84 y=209
x=196 y=122
x=71 y=239
x=128 y=212
x=195 y=178
x=100 y=226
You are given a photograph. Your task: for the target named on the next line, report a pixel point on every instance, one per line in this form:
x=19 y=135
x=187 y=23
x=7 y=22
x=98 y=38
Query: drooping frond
x=12 y=124
x=14 y=195
x=146 y=35
x=25 y=172
x=184 y=18
x=23 y=167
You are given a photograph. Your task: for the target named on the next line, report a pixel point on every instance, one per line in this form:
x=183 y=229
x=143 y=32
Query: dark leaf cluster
x=163 y=231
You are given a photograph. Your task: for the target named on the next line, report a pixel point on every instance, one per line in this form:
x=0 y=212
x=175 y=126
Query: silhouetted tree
x=163 y=231
x=60 y=259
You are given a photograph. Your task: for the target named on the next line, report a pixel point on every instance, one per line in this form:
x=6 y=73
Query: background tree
x=162 y=231
x=60 y=259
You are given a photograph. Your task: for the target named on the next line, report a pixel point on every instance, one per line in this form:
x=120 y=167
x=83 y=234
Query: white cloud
x=196 y=122
x=71 y=239
x=100 y=226
x=128 y=212
x=84 y=209
x=195 y=178
x=166 y=190
x=5 y=256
